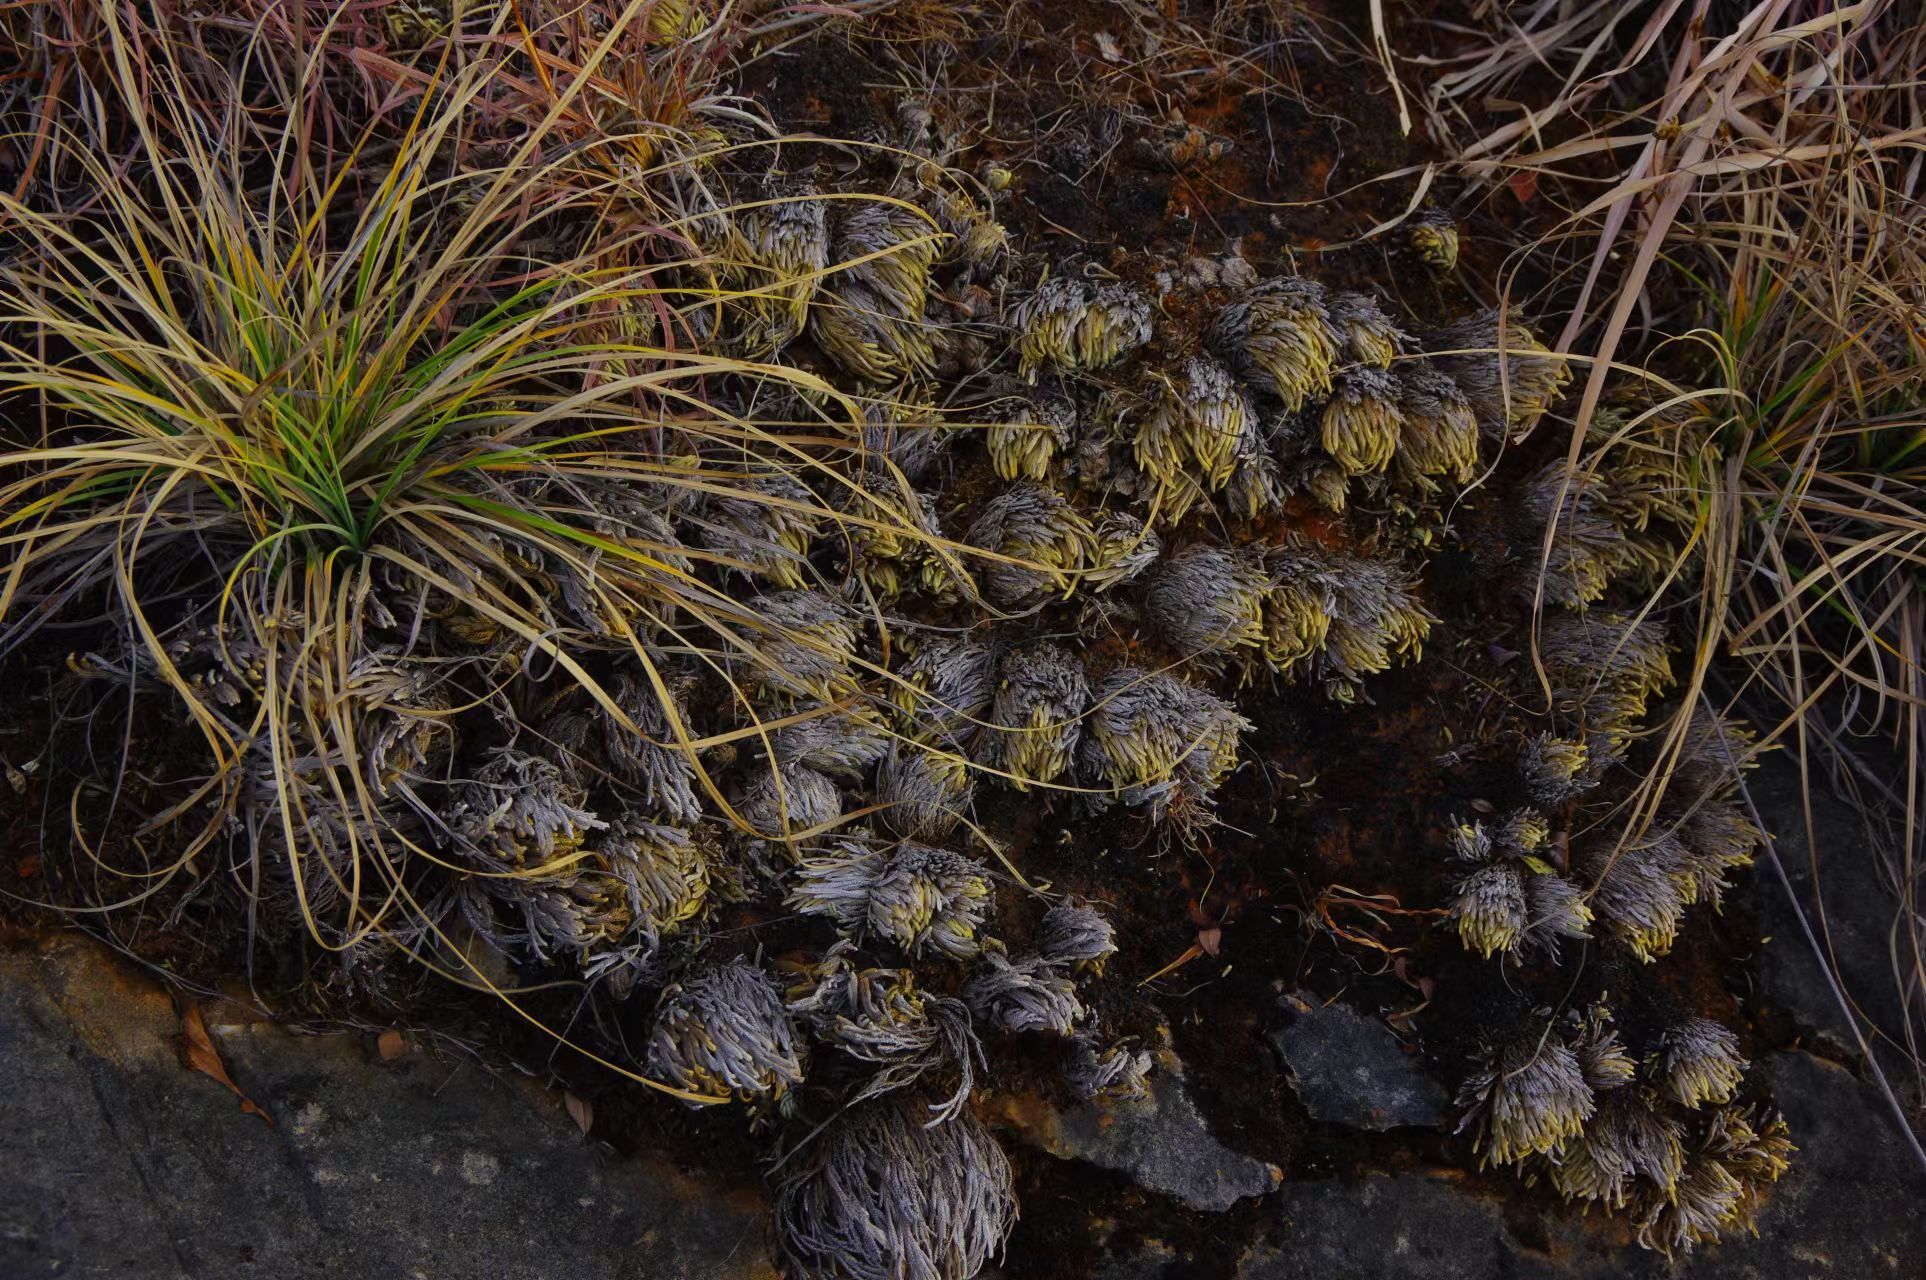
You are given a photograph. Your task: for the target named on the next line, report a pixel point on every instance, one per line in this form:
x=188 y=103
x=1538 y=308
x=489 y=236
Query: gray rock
x=1846 y=1209
x=1161 y=1141
x=1352 y=1070
x=1845 y=896
x=122 y=1162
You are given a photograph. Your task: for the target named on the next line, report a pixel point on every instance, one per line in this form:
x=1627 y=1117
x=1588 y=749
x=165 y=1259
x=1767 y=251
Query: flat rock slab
x=122 y=1162
x=1161 y=1142
x=1352 y=1070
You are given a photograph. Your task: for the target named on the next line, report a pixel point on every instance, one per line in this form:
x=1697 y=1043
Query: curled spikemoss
x=802 y=645
x=763 y=526
x=725 y=1032
x=1601 y=1054
x=1514 y=902
x=1555 y=909
x=1527 y=1099
x=1555 y=768
x=1208 y=599
x=1030 y=994
x=839 y=742
x=1125 y=548
x=521 y=810
x=1629 y=1142
x=783 y=244
x=1071 y=324
x=663 y=870
x=1029 y=434
x=1713 y=753
x=1718 y=837
x=979 y=239
x=1257 y=488
x=1368 y=335
x=1509 y=376
x=1587 y=552
x=873 y=1014
x=785 y=801
x=883 y=1194
x=1362 y=424
x=1376 y=619
x=920 y=898
x=1440 y=432
x=661 y=770
x=1696 y=1062
x=889 y=250
x=1159 y=741
x=1355 y=615
x=1489 y=909
x=1280 y=337
x=1297 y=608
x=1605 y=667
x=1204 y=422
x=1075 y=934
x=1037 y=712
x=865 y=335
x=1739 y=1155
x=945 y=687
x=923 y=793
x=1096 y=1070
x=1433 y=236
x=895 y=554
x=905 y=433
x=1043 y=542
x=1636 y=893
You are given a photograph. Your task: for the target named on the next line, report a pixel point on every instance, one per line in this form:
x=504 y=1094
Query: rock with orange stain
x=1161 y=1141
x=122 y=1161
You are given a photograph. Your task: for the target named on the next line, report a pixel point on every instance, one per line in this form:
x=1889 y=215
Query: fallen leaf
x=201 y=1055
x=1523 y=184
x=580 y=1110
x=391 y=1045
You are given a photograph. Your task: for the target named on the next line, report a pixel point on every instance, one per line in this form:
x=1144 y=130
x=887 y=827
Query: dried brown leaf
x=199 y=1053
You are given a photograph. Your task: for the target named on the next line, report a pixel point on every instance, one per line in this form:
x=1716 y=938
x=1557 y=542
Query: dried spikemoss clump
x=921 y=899
x=725 y=1031
x=1031 y=994
x=1510 y=377
x=883 y=1194
x=1076 y=934
x=1280 y=336
x=1037 y=713
x=1658 y=1140
x=1041 y=541
x=1208 y=599
x=1159 y=742
x=1529 y=1099
x=1069 y=324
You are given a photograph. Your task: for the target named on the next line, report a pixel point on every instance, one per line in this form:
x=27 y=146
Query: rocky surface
x=1161 y=1141
x=1845 y=898
x=1843 y=1211
x=1351 y=1069
x=123 y=1162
